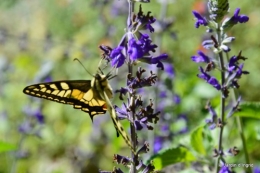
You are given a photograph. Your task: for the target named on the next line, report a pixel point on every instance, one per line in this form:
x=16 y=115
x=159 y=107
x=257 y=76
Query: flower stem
x=222 y=69
x=241 y=132
x=132 y=95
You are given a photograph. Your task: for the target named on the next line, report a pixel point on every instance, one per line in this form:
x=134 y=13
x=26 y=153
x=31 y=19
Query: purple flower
x=213 y=121
x=163 y=94
x=48 y=79
x=122 y=91
x=200 y=20
x=139 y=81
x=256 y=169
x=235 y=19
x=169 y=69
x=240 y=71
x=158 y=144
x=142 y=21
x=117 y=57
x=225 y=169
x=201 y=58
x=239 y=18
x=211 y=80
x=39 y=116
x=122 y=112
x=139 y=48
x=177 y=99
x=232 y=63
x=155 y=60
x=208 y=44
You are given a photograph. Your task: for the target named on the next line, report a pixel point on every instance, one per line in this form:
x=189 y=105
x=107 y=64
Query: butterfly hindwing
x=78 y=93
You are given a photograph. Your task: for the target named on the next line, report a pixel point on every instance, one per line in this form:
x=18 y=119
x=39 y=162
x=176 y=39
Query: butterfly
x=91 y=96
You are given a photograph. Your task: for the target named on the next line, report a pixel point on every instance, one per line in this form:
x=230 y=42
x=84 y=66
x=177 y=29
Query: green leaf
x=249 y=109
x=4 y=147
x=171 y=156
x=196 y=140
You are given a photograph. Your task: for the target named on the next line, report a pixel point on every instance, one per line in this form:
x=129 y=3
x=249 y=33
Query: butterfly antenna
x=76 y=59
x=110 y=72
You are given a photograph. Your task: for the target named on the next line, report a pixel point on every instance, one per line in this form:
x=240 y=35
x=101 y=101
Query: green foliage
x=249 y=110
x=171 y=156
x=196 y=140
x=5 y=147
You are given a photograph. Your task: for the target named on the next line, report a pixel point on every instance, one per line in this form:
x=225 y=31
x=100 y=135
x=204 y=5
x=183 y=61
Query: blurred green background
x=40 y=39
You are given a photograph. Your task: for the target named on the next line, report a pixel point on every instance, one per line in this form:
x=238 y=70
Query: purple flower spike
x=200 y=20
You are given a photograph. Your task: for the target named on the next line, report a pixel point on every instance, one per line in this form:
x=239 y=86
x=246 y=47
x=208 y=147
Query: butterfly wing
x=78 y=93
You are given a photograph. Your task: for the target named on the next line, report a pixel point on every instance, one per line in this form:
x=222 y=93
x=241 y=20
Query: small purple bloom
x=169 y=70
x=214 y=82
x=117 y=57
x=208 y=44
x=122 y=91
x=235 y=19
x=155 y=60
x=240 y=71
x=141 y=47
x=201 y=58
x=200 y=20
x=232 y=63
x=39 y=116
x=122 y=112
x=239 y=18
x=177 y=99
x=225 y=169
x=163 y=94
x=25 y=127
x=48 y=79
x=211 y=80
x=203 y=74
x=144 y=21
x=213 y=121
x=158 y=143
x=256 y=169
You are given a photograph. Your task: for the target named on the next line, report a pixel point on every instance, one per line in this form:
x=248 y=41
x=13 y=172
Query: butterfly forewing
x=78 y=93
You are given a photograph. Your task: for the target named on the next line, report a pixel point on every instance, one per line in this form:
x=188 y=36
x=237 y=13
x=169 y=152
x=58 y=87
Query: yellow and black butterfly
x=91 y=96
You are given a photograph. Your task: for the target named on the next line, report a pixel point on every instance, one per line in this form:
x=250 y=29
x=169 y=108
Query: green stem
x=222 y=116
x=241 y=133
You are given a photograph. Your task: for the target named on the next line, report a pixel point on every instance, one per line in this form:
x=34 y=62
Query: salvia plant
x=223 y=72
x=136 y=47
